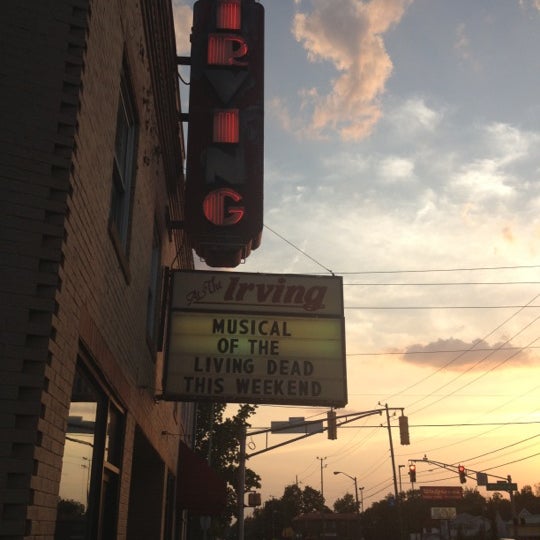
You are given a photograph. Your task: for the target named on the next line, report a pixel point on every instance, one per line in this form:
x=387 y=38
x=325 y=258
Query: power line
x=457 y=443
x=429 y=270
x=476 y=424
x=460 y=424
x=477 y=378
x=406 y=271
x=441 y=284
x=440 y=307
x=531 y=446
x=440 y=351
x=512 y=462
x=489 y=334
x=299 y=250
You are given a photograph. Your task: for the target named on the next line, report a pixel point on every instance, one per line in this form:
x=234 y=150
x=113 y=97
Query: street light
x=353 y=478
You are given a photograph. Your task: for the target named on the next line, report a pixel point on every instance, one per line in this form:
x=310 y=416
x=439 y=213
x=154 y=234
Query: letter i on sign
x=229 y=15
x=227 y=50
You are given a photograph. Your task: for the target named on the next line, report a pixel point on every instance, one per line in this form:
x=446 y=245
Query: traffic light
x=462 y=474
x=332 y=425
x=404 y=430
x=224 y=176
x=412 y=473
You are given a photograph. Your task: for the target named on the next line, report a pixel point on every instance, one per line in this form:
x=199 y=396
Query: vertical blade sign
x=224 y=184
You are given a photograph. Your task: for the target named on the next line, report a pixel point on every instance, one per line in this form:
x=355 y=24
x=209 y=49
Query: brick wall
x=62 y=279
x=41 y=60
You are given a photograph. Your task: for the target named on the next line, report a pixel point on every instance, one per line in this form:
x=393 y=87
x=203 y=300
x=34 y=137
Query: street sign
x=502 y=486
x=296 y=425
x=481 y=479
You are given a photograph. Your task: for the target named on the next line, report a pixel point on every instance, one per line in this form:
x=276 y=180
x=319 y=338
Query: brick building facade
x=91 y=157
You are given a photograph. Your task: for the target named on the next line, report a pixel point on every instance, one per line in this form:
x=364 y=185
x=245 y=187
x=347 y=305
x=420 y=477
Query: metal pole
x=513 y=507
x=392 y=452
x=356 y=495
x=321 y=459
x=398 y=501
x=241 y=483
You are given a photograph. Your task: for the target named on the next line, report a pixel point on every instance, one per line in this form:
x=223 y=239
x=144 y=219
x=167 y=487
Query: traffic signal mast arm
x=458 y=469
x=341 y=420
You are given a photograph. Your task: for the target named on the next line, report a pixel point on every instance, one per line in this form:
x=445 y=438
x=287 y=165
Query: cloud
x=183 y=17
x=348 y=33
x=495 y=175
x=509 y=142
x=455 y=354
x=463 y=48
x=535 y=4
x=396 y=169
x=412 y=119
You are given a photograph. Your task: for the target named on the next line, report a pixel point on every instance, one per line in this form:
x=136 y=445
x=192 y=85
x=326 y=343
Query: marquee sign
x=224 y=180
x=441 y=492
x=256 y=338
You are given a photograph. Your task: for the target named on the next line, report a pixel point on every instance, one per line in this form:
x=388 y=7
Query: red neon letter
x=226 y=126
x=216 y=210
x=226 y=49
x=229 y=15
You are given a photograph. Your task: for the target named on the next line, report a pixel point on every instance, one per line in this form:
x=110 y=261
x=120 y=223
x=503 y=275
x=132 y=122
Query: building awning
x=201 y=490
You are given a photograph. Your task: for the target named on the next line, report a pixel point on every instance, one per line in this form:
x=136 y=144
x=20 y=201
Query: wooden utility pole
x=321 y=459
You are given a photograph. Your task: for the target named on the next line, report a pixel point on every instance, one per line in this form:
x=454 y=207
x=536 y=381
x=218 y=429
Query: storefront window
x=91 y=464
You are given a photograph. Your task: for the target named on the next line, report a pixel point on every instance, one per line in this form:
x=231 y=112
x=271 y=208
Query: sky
x=402 y=152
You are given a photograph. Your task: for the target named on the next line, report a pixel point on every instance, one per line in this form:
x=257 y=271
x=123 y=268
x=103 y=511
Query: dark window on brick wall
x=89 y=486
x=125 y=150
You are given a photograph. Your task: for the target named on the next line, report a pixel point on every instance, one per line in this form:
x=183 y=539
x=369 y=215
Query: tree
x=472 y=502
x=346 y=504
x=291 y=502
x=277 y=515
x=69 y=508
x=527 y=499
x=217 y=439
x=313 y=501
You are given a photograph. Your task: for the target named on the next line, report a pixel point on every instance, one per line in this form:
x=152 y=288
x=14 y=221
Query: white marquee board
x=256 y=338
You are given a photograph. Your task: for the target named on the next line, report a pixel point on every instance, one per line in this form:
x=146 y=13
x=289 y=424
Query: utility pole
x=396 y=493
x=241 y=489
x=321 y=459
x=398 y=499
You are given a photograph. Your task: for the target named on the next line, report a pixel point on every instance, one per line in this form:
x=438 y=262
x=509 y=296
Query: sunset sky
x=402 y=152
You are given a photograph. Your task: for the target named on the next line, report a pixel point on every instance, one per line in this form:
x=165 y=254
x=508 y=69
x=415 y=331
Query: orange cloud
x=183 y=16
x=348 y=33
x=508 y=234
x=455 y=354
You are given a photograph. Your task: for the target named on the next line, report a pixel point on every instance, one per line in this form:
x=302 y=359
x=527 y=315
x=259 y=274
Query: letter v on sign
x=226 y=83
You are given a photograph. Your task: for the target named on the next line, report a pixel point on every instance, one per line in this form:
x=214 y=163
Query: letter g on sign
x=217 y=209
